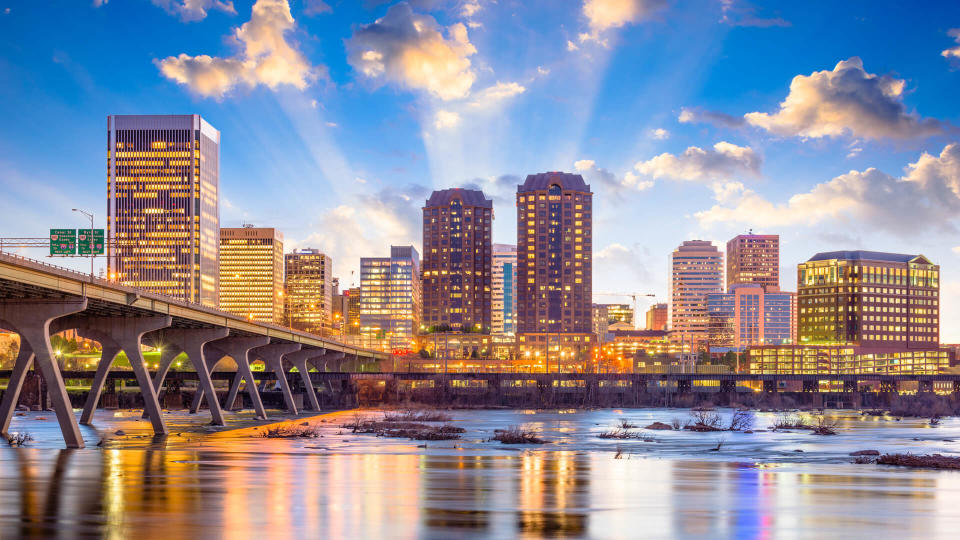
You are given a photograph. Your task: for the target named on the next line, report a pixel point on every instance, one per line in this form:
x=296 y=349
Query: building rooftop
x=859 y=255
x=543 y=181
x=469 y=197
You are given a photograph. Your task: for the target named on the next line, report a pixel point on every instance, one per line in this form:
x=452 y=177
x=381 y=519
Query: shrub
x=516 y=435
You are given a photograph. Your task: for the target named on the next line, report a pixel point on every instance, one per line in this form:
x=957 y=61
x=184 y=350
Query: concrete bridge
x=38 y=300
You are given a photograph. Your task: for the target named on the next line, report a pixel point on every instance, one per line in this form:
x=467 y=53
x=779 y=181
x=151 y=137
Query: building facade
x=877 y=301
x=845 y=360
x=696 y=270
x=754 y=259
x=748 y=315
x=390 y=300
x=308 y=291
x=457 y=261
x=503 y=300
x=657 y=317
x=555 y=269
x=163 y=215
x=251 y=273
x=606 y=314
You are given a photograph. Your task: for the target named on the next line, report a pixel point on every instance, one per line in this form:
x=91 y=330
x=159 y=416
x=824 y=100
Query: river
x=204 y=482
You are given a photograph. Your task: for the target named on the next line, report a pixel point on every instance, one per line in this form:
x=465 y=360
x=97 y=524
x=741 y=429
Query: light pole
x=89 y=215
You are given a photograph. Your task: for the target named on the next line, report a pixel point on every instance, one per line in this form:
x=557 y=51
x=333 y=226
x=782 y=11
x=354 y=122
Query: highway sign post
x=86 y=245
x=63 y=242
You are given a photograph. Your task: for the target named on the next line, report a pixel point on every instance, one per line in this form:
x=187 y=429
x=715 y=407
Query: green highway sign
x=63 y=241
x=83 y=242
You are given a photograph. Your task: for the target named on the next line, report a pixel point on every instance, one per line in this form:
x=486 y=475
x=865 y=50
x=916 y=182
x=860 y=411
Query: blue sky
x=833 y=124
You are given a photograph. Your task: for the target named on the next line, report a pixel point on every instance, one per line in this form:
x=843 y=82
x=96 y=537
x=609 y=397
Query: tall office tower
x=251 y=273
x=308 y=291
x=657 y=317
x=163 y=218
x=748 y=315
x=390 y=299
x=696 y=271
x=503 y=318
x=754 y=258
x=457 y=260
x=554 y=268
x=353 y=311
x=879 y=301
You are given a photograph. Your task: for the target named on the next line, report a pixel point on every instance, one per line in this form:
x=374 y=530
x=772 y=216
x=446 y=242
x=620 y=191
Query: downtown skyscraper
x=163 y=217
x=555 y=270
x=754 y=259
x=390 y=299
x=308 y=290
x=696 y=270
x=251 y=273
x=457 y=260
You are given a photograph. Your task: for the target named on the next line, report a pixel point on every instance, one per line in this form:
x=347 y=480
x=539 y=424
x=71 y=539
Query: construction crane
x=632 y=296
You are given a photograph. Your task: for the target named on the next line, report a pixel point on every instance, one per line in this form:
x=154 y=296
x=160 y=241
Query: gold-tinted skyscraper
x=163 y=218
x=251 y=273
x=309 y=290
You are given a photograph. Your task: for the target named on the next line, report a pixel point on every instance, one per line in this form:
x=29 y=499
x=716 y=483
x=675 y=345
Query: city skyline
x=708 y=158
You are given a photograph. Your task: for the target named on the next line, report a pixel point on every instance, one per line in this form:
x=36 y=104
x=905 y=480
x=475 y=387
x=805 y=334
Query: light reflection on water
x=232 y=487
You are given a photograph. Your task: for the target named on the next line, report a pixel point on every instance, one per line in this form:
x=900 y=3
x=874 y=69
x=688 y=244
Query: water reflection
x=220 y=492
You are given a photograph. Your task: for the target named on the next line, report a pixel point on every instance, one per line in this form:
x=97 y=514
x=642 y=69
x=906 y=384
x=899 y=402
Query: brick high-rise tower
x=554 y=270
x=457 y=260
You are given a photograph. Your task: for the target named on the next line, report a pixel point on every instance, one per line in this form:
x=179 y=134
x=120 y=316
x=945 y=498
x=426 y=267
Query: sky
x=833 y=124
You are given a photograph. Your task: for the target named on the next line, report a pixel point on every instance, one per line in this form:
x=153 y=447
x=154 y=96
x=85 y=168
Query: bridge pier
x=925 y=386
x=323 y=363
x=299 y=360
x=272 y=356
x=31 y=319
x=810 y=386
x=238 y=348
x=117 y=334
x=684 y=386
x=190 y=341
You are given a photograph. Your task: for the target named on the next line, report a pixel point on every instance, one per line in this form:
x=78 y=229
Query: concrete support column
x=108 y=353
x=31 y=319
x=238 y=348
x=122 y=333
x=192 y=342
x=211 y=356
x=299 y=360
x=272 y=356
x=331 y=361
x=15 y=385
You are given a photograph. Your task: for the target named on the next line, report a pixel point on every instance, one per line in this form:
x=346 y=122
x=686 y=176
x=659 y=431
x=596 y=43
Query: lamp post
x=89 y=215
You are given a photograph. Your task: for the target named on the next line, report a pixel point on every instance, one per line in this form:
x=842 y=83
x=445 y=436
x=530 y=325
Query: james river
x=228 y=483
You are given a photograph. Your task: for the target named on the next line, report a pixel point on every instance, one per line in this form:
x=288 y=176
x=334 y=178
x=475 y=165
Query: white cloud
x=926 y=197
x=366 y=226
x=96 y=3
x=604 y=15
x=955 y=249
x=542 y=71
x=571 y=46
x=660 y=134
x=469 y=8
x=445 y=119
x=194 y=10
x=583 y=164
x=723 y=161
x=409 y=49
x=332 y=124
x=266 y=57
x=846 y=100
x=316 y=7
x=497 y=93
x=953 y=53
x=700 y=116
x=599 y=175
x=739 y=13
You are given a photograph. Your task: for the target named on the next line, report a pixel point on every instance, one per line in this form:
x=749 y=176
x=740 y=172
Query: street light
x=89 y=215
